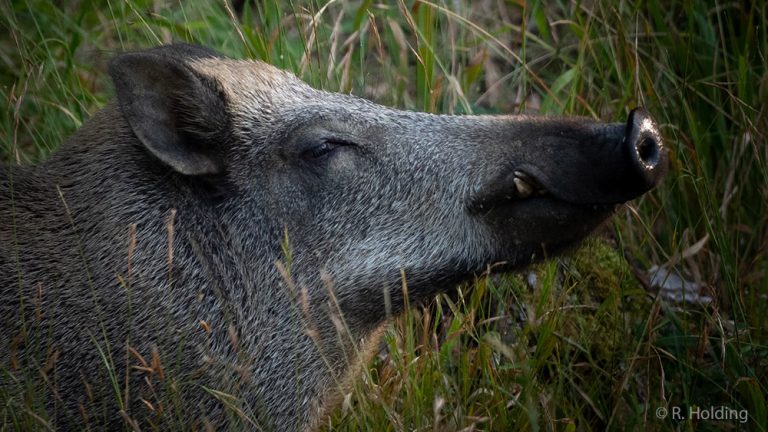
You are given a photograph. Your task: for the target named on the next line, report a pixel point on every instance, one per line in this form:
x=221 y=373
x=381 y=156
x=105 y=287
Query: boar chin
x=540 y=227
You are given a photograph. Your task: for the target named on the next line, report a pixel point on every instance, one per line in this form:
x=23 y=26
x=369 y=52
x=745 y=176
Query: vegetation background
x=591 y=341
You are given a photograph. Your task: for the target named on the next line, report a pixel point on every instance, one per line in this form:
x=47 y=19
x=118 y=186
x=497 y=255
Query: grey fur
x=224 y=164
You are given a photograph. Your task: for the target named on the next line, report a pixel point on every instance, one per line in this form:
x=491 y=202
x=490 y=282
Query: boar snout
x=591 y=163
x=557 y=188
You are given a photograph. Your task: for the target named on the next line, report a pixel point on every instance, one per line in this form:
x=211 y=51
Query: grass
x=584 y=346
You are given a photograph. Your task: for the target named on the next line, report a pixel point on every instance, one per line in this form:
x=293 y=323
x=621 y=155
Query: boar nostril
x=648 y=151
x=645 y=148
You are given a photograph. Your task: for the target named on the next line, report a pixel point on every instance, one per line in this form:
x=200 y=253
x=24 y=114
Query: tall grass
x=581 y=343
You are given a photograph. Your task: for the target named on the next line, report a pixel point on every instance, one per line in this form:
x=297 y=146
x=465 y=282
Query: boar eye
x=323 y=148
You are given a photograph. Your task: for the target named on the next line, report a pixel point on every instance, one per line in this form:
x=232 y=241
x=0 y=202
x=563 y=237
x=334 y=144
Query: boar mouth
x=511 y=188
x=531 y=216
x=519 y=186
x=526 y=185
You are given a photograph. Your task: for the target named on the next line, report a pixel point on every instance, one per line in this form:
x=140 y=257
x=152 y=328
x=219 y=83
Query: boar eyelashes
x=323 y=148
x=318 y=151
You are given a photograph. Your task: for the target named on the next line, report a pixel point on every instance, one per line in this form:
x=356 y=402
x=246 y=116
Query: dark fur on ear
x=175 y=112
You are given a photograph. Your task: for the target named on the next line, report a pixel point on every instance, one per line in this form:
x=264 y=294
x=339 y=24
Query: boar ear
x=174 y=112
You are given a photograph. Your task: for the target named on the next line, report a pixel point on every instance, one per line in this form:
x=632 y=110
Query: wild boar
x=225 y=229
